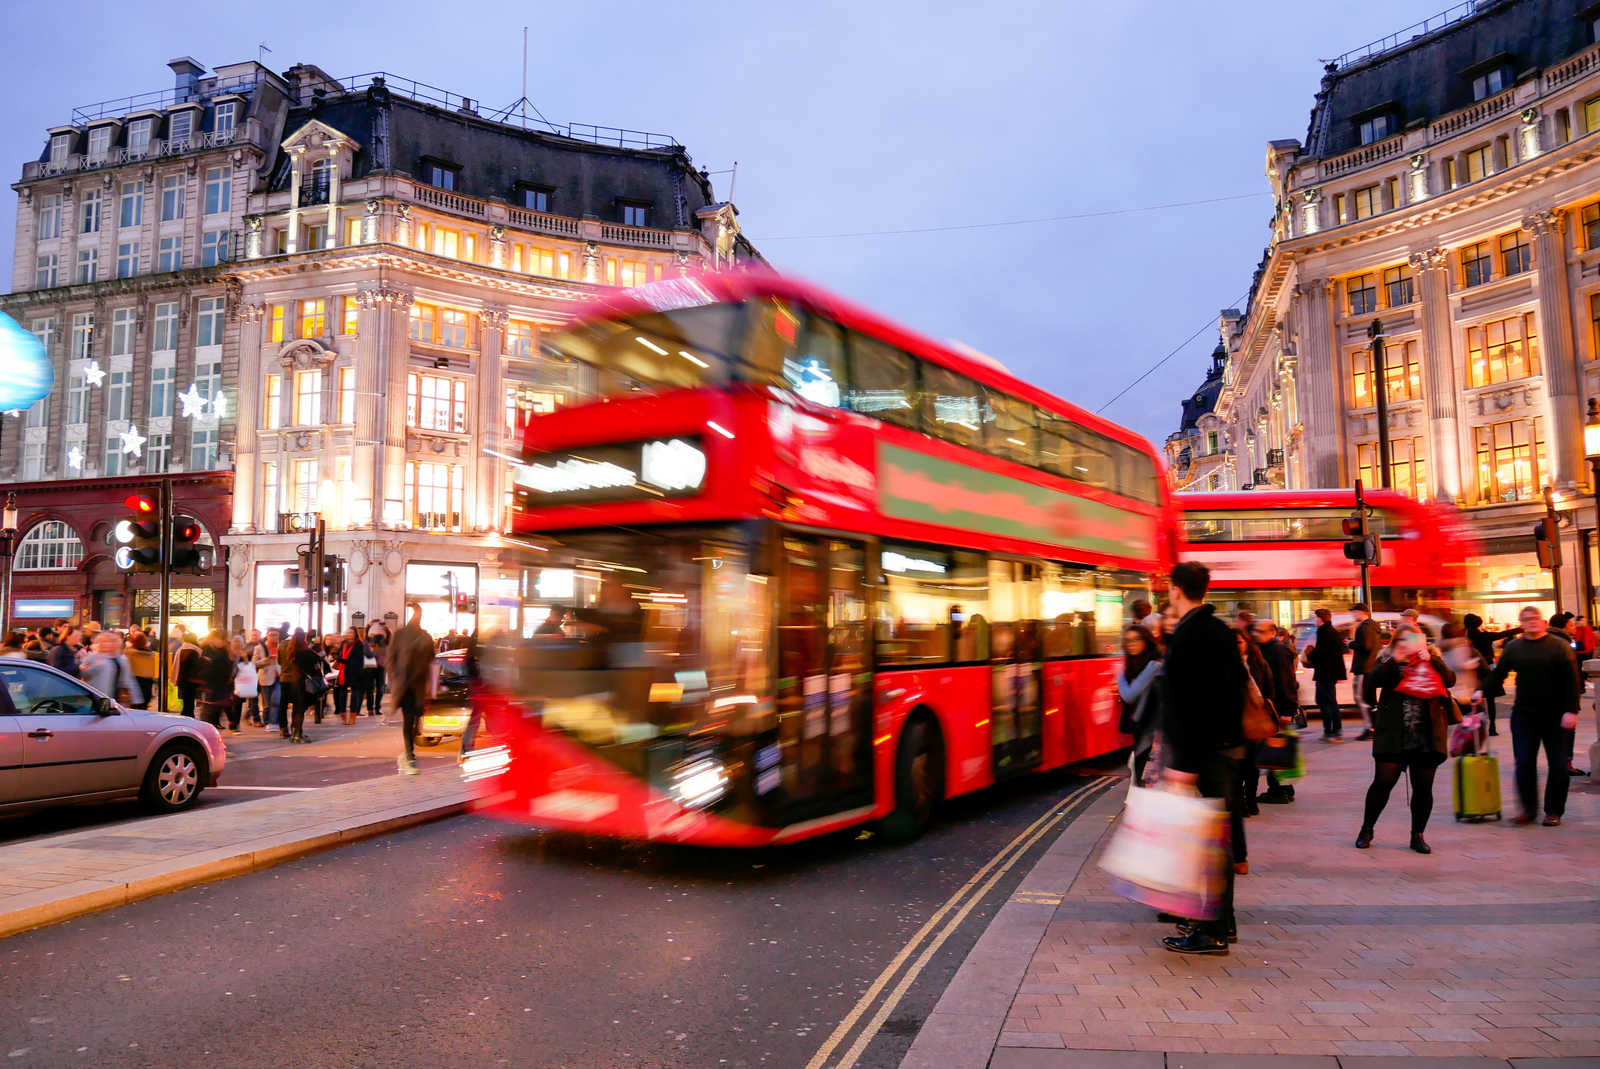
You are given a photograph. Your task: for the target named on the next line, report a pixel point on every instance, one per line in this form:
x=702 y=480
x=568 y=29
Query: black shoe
x=1232 y=927
x=1492 y=731
x=1363 y=838
x=1576 y=772
x=1173 y=918
x=1419 y=844
x=1250 y=808
x=283 y=734
x=1199 y=940
x=1274 y=798
x=1365 y=736
x=1290 y=792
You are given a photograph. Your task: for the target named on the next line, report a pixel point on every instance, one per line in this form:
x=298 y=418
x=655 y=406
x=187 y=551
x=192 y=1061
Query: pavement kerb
x=63 y=902
x=965 y=1025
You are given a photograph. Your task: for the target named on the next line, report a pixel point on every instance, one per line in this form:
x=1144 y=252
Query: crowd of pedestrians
x=1193 y=690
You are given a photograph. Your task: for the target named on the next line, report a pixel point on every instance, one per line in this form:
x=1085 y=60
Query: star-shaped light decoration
x=14 y=413
x=75 y=458
x=92 y=374
x=219 y=405
x=193 y=404
x=132 y=442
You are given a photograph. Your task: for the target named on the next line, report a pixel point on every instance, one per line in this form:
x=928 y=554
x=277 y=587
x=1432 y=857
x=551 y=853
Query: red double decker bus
x=797 y=568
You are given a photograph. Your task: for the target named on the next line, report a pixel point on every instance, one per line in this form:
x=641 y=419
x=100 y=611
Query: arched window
x=50 y=546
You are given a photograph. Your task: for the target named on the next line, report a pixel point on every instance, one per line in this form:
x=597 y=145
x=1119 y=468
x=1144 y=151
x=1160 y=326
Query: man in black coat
x=1203 y=728
x=1285 y=696
x=1326 y=658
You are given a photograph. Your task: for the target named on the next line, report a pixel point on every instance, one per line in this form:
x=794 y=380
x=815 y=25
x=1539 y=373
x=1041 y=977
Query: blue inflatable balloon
x=25 y=372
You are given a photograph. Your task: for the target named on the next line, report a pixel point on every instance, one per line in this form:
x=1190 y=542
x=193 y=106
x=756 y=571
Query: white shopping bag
x=1169 y=852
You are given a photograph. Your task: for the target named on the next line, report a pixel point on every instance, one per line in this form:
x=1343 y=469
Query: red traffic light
x=143 y=504
x=186 y=532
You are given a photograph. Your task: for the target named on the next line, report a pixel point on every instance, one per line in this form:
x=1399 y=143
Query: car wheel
x=918 y=781
x=428 y=740
x=175 y=778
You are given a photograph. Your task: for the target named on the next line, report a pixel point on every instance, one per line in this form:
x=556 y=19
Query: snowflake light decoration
x=193 y=404
x=75 y=458
x=132 y=441
x=93 y=374
x=219 y=405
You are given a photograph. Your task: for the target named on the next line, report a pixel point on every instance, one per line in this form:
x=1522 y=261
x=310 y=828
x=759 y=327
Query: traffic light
x=138 y=537
x=183 y=552
x=466 y=604
x=332 y=578
x=1547 y=543
x=1363 y=546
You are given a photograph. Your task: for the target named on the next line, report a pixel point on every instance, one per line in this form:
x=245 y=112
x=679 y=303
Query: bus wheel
x=918 y=781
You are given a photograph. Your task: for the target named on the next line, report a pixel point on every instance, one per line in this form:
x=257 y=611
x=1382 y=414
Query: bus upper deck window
x=771 y=341
x=883 y=381
x=659 y=350
x=815 y=369
x=953 y=406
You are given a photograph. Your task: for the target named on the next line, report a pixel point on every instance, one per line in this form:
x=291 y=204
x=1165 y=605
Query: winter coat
x=1388 y=717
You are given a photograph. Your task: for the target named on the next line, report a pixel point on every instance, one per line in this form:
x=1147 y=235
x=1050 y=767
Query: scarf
x=1420 y=680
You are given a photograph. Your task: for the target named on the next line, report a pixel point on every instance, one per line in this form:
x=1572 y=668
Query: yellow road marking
x=1031 y=834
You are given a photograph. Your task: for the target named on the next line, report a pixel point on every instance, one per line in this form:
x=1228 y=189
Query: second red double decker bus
x=796 y=568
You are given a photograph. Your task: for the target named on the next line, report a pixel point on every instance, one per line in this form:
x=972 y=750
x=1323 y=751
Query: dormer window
x=633 y=213
x=99 y=142
x=60 y=148
x=1490 y=82
x=179 y=127
x=534 y=198
x=222 y=119
x=1377 y=128
x=440 y=175
x=138 y=135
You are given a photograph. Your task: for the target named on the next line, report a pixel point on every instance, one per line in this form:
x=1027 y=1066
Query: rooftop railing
x=1407 y=35
x=209 y=87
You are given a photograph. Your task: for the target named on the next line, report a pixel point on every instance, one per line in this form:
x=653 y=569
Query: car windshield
x=657 y=351
x=628 y=635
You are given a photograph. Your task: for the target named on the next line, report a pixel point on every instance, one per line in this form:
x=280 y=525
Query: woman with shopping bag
x=1411 y=727
x=1138 y=685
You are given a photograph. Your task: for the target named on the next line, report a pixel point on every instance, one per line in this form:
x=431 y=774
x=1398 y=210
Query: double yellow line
x=930 y=937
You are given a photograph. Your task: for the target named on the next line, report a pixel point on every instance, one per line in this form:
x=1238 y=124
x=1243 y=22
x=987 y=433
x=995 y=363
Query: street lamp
x=8 y=529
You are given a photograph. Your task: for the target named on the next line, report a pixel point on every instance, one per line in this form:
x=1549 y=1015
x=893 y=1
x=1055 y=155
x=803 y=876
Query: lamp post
x=1380 y=378
x=8 y=530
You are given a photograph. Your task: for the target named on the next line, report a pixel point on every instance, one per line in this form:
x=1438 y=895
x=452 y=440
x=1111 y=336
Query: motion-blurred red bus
x=1280 y=554
x=797 y=568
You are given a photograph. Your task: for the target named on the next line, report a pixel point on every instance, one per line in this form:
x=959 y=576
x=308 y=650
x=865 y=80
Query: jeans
x=147 y=687
x=1528 y=732
x=469 y=735
x=1328 y=703
x=340 y=695
x=294 y=706
x=374 y=681
x=410 y=704
x=271 y=700
x=1359 y=689
x=213 y=713
x=188 y=704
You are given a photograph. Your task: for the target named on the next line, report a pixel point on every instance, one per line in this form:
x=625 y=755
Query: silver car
x=63 y=741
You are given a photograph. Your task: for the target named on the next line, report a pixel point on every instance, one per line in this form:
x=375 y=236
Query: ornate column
x=486 y=504
x=297 y=159
x=333 y=239
x=363 y=450
x=1432 y=267
x=1319 y=384
x=247 y=417
x=1565 y=439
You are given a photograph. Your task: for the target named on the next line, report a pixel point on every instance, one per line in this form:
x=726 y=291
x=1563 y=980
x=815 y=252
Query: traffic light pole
x=1380 y=375
x=163 y=669
x=317 y=567
x=1553 y=532
x=1366 y=584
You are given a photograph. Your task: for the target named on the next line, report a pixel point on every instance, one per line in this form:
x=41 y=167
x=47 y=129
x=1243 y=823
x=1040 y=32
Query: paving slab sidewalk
x=47 y=880
x=1485 y=953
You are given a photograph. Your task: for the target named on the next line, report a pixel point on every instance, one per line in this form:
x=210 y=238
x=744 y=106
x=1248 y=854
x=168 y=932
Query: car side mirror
x=105 y=707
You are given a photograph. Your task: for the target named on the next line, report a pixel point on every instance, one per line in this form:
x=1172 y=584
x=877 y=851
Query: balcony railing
x=155 y=149
x=1484 y=109
x=1274 y=458
x=1572 y=69
x=450 y=202
x=291 y=522
x=1361 y=157
x=544 y=221
x=635 y=235
x=314 y=193
x=438 y=521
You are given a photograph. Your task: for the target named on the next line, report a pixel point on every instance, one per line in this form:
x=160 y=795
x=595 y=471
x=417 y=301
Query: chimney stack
x=188 y=72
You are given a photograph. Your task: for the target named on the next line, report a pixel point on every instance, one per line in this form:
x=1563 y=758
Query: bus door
x=824 y=674
x=1016 y=672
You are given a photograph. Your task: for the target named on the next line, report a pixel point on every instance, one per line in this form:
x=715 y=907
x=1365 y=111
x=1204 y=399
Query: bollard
x=1592 y=670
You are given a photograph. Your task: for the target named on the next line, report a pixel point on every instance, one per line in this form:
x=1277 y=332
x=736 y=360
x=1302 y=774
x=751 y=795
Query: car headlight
x=698 y=781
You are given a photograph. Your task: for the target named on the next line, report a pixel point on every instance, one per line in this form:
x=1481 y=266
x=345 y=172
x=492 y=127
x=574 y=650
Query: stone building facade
x=367 y=344
x=1449 y=189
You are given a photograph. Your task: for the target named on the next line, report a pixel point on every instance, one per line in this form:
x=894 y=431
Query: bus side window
x=770 y=342
x=816 y=369
x=953 y=406
x=1092 y=461
x=1013 y=433
x=1066 y=610
x=883 y=381
x=914 y=611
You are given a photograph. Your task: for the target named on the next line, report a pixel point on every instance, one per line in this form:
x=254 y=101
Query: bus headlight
x=698 y=781
x=481 y=764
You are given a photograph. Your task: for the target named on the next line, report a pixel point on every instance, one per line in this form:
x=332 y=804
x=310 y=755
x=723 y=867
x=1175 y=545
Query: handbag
x=1259 y=721
x=315 y=685
x=245 y=684
x=1277 y=754
x=1169 y=852
x=124 y=692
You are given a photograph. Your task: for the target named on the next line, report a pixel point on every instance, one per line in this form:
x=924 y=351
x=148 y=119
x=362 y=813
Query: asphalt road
x=472 y=942
x=259 y=765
